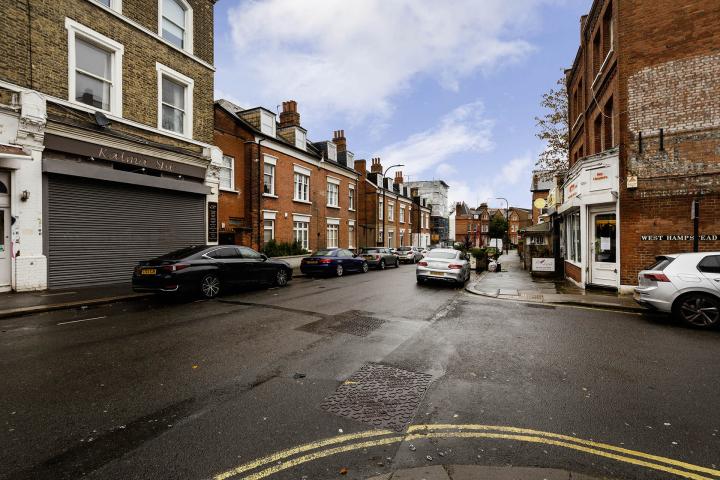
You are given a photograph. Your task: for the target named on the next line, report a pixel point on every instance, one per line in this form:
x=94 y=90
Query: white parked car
x=445 y=264
x=684 y=284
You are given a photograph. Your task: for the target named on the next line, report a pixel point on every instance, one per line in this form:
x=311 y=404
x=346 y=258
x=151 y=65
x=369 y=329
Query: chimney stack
x=340 y=141
x=361 y=167
x=376 y=166
x=289 y=116
x=399 y=177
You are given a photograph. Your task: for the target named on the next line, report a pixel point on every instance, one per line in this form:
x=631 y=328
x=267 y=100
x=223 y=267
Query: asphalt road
x=190 y=390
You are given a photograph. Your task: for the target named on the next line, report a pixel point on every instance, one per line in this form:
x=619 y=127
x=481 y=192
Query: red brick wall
x=670 y=79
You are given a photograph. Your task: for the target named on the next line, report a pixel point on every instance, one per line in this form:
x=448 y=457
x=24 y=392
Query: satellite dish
x=540 y=203
x=101 y=120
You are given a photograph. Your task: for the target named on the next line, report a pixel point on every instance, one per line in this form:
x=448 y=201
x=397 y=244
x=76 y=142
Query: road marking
x=606 y=446
x=302 y=448
x=82 y=320
x=419 y=432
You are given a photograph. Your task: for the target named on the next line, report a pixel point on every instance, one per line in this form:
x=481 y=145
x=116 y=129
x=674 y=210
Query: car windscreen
x=183 y=252
x=442 y=255
x=403 y=249
x=660 y=263
x=325 y=253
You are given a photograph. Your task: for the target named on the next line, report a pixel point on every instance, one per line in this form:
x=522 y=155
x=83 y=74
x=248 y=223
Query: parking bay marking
x=82 y=320
x=518 y=434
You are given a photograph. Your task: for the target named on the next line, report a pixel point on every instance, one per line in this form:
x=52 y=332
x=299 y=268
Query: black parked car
x=333 y=261
x=208 y=270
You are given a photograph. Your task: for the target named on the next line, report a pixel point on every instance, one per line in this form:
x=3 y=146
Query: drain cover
x=383 y=396
x=353 y=322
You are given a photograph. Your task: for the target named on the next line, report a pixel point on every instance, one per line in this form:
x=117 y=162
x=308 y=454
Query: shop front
x=590 y=233
x=109 y=205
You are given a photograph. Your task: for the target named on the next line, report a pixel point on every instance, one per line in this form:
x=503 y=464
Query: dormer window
x=267 y=123
x=332 y=151
x=300 y=139
x=176 y=23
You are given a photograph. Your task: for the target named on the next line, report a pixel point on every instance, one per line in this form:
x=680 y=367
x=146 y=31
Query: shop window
x=572 y=237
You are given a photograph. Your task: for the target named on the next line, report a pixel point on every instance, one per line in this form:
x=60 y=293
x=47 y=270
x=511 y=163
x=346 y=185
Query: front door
x=603 y=249
x=5 y=255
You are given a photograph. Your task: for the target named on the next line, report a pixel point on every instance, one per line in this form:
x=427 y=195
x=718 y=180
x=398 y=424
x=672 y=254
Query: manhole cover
x=383 y=396
x=353 y=322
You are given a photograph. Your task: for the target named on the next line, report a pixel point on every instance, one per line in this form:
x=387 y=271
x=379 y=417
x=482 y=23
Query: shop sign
x=599 y=181
x=572 y=190
x=102 y=152
x=543 y=264
x=678 y=238
x=212 y=222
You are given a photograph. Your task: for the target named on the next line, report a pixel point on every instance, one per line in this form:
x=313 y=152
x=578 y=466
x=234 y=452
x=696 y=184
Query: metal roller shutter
x=99 y=230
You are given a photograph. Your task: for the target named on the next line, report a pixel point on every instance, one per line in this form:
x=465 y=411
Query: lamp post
x=507 y=222
x=383 y=203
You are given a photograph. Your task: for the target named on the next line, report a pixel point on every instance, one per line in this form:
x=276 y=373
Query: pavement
x=356 y=377
x=515 y=283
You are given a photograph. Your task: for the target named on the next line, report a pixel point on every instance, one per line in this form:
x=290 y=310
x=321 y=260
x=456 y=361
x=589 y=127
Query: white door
x=603 y=249
x=5 y=259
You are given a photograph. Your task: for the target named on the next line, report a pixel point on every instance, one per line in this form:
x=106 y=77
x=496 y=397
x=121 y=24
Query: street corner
x=365 y=455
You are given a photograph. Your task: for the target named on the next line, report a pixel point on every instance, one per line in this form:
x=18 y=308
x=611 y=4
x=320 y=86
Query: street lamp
x=383 y=205
x=507 y=222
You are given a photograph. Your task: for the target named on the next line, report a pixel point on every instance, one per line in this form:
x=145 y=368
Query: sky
x=450 y=90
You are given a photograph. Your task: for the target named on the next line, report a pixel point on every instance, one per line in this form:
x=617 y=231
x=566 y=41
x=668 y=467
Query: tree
x=553 y=129
x=498 y=227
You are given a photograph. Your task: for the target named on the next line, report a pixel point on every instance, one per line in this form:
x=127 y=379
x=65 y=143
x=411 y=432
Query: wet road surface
x=152 y=389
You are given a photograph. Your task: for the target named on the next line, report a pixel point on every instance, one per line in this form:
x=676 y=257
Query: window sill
x=173 y=132
x=270 y=195
x=229 y=190
x=302 y=201
x=351 y=209
x=333 y=206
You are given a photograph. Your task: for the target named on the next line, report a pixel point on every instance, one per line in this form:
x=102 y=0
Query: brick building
x=518 y=219
x=277 y=185
x=387 y=205
x=106 y=127
x=473 y=224
x=541 y=185
x=644 y=105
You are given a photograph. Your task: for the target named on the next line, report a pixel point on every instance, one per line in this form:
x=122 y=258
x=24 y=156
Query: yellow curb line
x=527 y=435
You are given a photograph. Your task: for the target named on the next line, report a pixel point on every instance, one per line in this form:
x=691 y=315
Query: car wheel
x=365 y=267
x=382 y=265
x=281 y=278
x=210 y=286
x=698 y=310
x=420 y=280
x=397 y=263
x=339 y=271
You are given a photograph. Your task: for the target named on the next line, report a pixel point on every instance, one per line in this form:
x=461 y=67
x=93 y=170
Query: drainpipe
x=260 y=197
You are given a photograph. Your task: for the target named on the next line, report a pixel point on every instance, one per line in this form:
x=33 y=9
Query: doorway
x=603 y=249
x=5 y=222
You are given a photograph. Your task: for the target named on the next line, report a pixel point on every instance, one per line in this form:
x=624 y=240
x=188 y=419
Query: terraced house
x=106 y=130
x=277 y=185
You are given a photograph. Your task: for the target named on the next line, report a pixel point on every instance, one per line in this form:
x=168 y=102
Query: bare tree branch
x=553 y=128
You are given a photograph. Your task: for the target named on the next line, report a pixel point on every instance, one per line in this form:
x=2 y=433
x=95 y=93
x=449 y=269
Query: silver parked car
x=409 y=254
x=685 y=284
x=379 y=257
x=445 y=264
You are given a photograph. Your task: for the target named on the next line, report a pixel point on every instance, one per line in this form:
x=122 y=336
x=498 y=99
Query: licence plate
x=437 y=274
x=148 y=271
x=311 y=262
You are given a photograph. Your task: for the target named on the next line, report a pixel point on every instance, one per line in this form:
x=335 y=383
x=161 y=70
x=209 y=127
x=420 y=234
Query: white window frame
x=268 y=160
x=301 y=172
x=351 y=233
x=300 y=138
x=231 y=188
x=301 y=230
x=271 y=229
x=333 y=201
x=114 y=5
x=391 y=211
x=165 y=71
x=273 y=125
x=381 y=209
x=351 y=198
x=332 y=151
x=116 y=50
x=333 y=225
x=402 y=214
x=188 y=28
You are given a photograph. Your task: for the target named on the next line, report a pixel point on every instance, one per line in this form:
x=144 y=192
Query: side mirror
x=263 y=256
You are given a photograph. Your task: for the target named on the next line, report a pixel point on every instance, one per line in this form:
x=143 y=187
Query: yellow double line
x=374 y=438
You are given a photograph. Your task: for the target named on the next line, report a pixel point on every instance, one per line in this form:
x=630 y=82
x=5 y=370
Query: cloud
x=354 y=56
x=464 y=130
x=515 y=170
